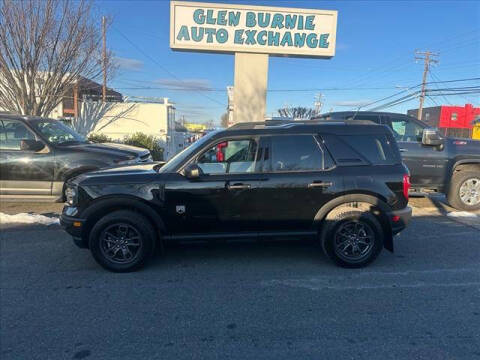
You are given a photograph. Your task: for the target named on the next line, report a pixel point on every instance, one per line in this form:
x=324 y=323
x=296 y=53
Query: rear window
x=362 y=149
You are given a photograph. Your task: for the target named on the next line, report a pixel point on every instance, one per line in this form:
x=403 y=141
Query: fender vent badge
x=180 y=209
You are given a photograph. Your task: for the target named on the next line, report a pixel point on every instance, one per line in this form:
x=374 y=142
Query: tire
x=336 y=233
x=464 y=191
x=122 y=241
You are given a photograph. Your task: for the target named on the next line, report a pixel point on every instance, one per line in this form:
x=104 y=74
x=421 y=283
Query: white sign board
x=257 y=29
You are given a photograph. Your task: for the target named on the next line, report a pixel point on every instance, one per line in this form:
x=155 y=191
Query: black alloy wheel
x=122 y=241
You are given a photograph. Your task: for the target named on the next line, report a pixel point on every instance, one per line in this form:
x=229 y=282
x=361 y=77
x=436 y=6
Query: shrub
x=98 y=138
x=147 y=142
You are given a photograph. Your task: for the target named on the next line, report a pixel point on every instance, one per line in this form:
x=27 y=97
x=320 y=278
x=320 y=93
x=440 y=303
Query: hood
x=112 y=149
x=119 y=175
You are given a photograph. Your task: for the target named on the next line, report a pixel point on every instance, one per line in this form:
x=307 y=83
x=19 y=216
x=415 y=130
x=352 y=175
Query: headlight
x=71 y=195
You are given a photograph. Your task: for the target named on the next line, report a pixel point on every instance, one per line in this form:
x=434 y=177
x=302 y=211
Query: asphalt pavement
x=268 y=300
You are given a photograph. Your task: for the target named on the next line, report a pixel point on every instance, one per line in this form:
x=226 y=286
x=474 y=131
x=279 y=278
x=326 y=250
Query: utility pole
x=318 y=103
x=428 y=57
x=104 y=58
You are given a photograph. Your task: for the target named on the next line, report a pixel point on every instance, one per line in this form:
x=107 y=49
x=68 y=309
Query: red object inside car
x=220 y=152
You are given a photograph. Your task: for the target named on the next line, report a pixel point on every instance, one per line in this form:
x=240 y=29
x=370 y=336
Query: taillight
x=406 y=185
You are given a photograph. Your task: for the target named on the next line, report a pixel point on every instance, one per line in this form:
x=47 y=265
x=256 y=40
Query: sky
x=375 y=57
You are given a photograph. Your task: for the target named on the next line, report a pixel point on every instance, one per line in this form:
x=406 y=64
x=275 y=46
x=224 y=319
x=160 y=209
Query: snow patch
x=26 y=218
x=460 y=214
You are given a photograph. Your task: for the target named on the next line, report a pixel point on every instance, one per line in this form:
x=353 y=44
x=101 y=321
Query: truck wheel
x=122 y=241
x=353 y=238
x=464 y=191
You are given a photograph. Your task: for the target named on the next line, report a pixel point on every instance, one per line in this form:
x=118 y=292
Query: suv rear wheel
x=122 y=241
x=464 y=192
x=353 y=238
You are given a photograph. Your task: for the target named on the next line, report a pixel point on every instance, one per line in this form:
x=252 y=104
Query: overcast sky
x=376 y=41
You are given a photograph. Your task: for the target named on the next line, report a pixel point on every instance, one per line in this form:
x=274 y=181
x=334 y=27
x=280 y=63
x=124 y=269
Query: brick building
x=452 y=120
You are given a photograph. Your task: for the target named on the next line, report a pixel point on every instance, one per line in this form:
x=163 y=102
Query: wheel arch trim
x=465 y=162
x=361 y=198
x=127 y=202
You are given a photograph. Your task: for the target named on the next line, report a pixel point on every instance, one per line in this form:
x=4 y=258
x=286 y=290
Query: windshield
x=178 y=159
x=55 y=132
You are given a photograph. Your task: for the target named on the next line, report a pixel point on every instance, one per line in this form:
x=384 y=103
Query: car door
x=300 y=178
x=23 y=172
x=223 y=198
x=427 y=164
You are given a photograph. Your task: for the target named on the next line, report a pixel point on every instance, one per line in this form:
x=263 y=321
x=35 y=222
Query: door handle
x=320 y=184
x=238 y=186
x=403 y=150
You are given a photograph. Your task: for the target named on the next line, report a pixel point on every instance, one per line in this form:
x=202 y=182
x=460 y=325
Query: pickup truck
x=436 y=163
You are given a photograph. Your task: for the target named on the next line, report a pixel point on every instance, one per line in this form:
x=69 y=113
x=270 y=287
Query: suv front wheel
x=352 y=238
x=122 y=241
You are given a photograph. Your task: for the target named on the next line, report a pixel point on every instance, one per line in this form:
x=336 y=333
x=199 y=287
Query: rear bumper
x=399 y=219
x=74 y=227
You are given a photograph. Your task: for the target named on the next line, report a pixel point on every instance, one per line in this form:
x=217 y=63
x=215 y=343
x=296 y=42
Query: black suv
x=436 y=163
x=342 y=184
x=37 y=155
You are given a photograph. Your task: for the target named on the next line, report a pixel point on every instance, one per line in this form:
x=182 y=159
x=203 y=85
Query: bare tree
x=298 y=112
x=46 y=46
x=224 y=120
x=92 y=112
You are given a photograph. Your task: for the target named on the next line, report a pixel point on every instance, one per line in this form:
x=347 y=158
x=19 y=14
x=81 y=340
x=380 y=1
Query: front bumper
x=399 y=219
x=74 y=226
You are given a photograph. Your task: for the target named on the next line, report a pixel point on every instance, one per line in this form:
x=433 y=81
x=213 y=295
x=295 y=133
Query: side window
x=375 y=148
x=295 y=153
x=362 y=149
x=232 y=156
x=12 y=133
x=405 y=130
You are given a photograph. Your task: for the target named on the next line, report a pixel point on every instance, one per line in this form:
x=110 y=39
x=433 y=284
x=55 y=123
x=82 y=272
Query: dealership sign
x=256 y=29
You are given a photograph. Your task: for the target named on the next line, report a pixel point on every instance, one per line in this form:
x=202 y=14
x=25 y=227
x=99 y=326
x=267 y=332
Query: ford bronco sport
x=341 y=184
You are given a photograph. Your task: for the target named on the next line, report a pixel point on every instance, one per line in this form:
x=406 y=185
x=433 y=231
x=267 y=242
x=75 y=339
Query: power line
x=430 y=92
x=163 y=67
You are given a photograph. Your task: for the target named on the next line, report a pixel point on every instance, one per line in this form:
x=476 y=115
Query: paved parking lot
x=275 y=300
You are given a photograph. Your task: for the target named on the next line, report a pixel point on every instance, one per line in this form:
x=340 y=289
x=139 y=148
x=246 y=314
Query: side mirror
x=193 y=171
x=431 y=137
x=31 y=145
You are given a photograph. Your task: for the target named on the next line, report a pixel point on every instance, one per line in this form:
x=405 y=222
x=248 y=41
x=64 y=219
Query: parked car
x=37 y=156
x=344 y=185
x=437 y=163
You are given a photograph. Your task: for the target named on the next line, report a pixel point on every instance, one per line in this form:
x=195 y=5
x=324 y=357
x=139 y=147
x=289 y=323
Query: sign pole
x=250 y=87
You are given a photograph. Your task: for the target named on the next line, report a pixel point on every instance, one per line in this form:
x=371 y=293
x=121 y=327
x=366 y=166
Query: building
x=451 y=120
x=83 y=90
x=118 y=120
